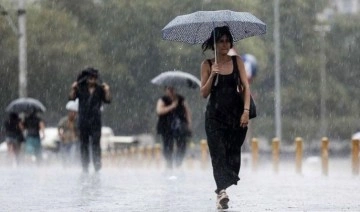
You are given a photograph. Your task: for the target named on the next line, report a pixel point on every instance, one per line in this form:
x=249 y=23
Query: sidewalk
x=53 y=188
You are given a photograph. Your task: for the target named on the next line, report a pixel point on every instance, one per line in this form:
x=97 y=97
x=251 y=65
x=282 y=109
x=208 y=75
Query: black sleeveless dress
x=165 y=121
x=224 y=134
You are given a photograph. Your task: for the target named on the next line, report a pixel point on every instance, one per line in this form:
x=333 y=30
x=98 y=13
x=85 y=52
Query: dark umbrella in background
x=176 y=79
x=25 y=105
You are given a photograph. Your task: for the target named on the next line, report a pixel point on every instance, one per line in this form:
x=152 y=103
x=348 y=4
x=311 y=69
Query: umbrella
x=26 y=105
x=176 y=79
x=195 y=28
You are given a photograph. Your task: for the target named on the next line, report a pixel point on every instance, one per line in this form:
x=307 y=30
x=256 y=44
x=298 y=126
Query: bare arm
x=60 y=129
x=72 y=95
x=21 y=125
x=246 y=90
x=42 y=129
x=207 y=76
x=187 y=114
x=107 y=97
x=162 y=109
x=61 y=133
x=244 y=82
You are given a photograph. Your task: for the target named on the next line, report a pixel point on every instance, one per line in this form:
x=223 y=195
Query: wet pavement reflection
x=55 y=188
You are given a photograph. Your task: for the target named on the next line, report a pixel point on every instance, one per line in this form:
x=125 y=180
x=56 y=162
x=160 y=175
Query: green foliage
x=58 y=49
x=123 y=39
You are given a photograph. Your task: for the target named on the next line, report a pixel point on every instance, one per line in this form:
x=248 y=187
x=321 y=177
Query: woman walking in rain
x=35 y=131
x=174 y=126
x=69 y=135
x=91 y=93
x=14 y=136
x=227 y=111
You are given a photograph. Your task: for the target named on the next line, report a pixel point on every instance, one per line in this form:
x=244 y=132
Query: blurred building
x=345 y=6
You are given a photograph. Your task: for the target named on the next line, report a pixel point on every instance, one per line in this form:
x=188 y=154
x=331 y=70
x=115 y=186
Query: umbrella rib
x=197 y=30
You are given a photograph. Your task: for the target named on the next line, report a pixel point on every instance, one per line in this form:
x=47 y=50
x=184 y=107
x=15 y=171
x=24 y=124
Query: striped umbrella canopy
x=195 y=28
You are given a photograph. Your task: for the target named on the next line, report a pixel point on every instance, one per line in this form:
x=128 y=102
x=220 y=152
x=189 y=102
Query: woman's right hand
x=106 y=86
x=174 y=103
x=74 y=85
x=214 y=69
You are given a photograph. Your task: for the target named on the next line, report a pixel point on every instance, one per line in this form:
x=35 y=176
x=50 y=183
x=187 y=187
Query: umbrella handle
x=215 y=46
x=217 y=78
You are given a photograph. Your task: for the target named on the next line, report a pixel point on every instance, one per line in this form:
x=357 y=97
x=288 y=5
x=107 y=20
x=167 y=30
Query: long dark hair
x=85 y=74
x=219 y=32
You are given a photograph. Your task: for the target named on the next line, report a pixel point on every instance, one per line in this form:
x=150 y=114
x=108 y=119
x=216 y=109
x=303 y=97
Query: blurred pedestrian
x=173 y=125
x=35 y=132
x=356 y=135
x=13 y=127
x=69 y=135
x=91 y=94
x=227 y=111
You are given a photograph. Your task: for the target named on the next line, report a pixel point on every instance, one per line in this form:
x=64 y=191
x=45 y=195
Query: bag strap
x=236 y=74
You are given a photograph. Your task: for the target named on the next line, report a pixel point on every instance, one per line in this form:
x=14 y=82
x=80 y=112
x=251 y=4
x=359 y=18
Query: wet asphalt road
x=151 y=188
